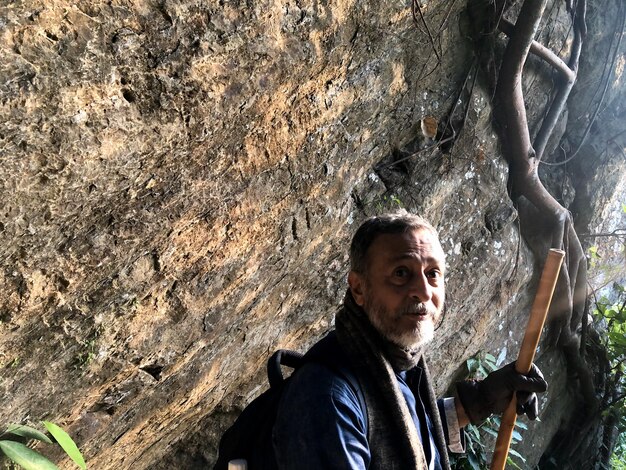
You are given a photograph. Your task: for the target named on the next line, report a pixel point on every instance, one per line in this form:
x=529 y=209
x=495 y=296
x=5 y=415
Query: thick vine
x=545 y=222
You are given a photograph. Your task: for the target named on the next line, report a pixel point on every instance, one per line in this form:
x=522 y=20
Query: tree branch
x=617 y=233
x=619 y=33
x=520 y=153
x=541 y=51
x=565 y=87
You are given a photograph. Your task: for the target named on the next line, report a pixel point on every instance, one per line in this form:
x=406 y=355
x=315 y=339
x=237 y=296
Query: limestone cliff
x=179 y=181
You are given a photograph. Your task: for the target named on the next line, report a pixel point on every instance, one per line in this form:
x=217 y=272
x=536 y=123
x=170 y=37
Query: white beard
x=387 y=325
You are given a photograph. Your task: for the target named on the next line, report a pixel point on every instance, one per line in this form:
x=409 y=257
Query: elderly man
x=374 y=407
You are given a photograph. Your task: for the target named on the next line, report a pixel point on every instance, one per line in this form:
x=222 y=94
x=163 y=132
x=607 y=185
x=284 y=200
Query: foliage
x=387 y=203
x=30 y=459
x=477 y=449
x=610 y=315
x=88 y=352
x=617 y=459
x=593 y=256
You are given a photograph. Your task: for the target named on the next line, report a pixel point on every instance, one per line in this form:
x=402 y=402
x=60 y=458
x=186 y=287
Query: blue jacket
x=322 y=420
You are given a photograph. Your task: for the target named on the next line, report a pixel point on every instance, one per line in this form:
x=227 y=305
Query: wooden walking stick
x=526 y=354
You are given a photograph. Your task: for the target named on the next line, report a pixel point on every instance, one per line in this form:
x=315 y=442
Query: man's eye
x=401 y=272
x=434 y=273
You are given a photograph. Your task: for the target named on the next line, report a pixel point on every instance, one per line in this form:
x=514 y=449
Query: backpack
x=250 y=436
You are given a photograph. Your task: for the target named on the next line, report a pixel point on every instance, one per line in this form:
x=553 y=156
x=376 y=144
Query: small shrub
x=11 y=445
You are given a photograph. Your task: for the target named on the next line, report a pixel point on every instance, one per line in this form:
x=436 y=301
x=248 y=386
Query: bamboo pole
x=525 y=358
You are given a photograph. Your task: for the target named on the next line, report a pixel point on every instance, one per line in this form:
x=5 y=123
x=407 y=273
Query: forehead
x=419 y=245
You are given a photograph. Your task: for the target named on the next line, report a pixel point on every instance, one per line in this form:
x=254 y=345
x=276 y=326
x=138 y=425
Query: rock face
x=179 y=183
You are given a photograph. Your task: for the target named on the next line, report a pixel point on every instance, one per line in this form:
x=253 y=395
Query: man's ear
x=356 y=282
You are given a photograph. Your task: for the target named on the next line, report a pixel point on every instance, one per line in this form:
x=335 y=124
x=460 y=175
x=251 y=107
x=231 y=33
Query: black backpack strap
x=282 y=357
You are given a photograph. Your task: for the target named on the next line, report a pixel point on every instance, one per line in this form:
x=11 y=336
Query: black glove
x=482 y=398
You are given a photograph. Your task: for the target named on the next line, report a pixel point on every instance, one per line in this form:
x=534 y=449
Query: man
x=368 y=404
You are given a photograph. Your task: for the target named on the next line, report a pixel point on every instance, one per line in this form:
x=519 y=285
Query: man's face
x=403 y=290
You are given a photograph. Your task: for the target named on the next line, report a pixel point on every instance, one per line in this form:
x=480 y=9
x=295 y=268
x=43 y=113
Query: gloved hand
x=482 y=398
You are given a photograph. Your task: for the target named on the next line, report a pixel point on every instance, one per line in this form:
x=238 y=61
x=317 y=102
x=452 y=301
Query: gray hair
x=391 y=223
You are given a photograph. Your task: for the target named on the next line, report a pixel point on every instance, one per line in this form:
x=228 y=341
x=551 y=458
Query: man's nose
x=420 y=288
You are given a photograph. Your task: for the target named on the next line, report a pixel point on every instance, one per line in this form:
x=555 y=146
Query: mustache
x=418 y=308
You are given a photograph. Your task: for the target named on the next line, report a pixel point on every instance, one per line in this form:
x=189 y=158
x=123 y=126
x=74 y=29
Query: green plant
x=387 y=202
x=594 y=257
x=478 y=442
x=84 y=357
x=617 y=459
x=89 y=348
x=14 y=364
x=610 y=316
x=30 y=459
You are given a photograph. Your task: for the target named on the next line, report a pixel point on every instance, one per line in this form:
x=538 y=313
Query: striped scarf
x=393 y=439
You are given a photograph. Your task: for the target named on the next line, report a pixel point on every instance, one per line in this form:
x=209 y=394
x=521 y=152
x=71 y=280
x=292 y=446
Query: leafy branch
x=610 y=320
x=29 y=459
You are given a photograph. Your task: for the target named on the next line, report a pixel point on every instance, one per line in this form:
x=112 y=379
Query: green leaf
x=27 y=432
x=491 y=431
x=612 y=311
x=617 y=338
x=472 y=365
x=511 y=463
x=517 y=436
x=472 y=430
x=26 y=457
x=516 y=454
x=470 y=447
x=473 y=462
x=521 y=425
x=66 y=442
